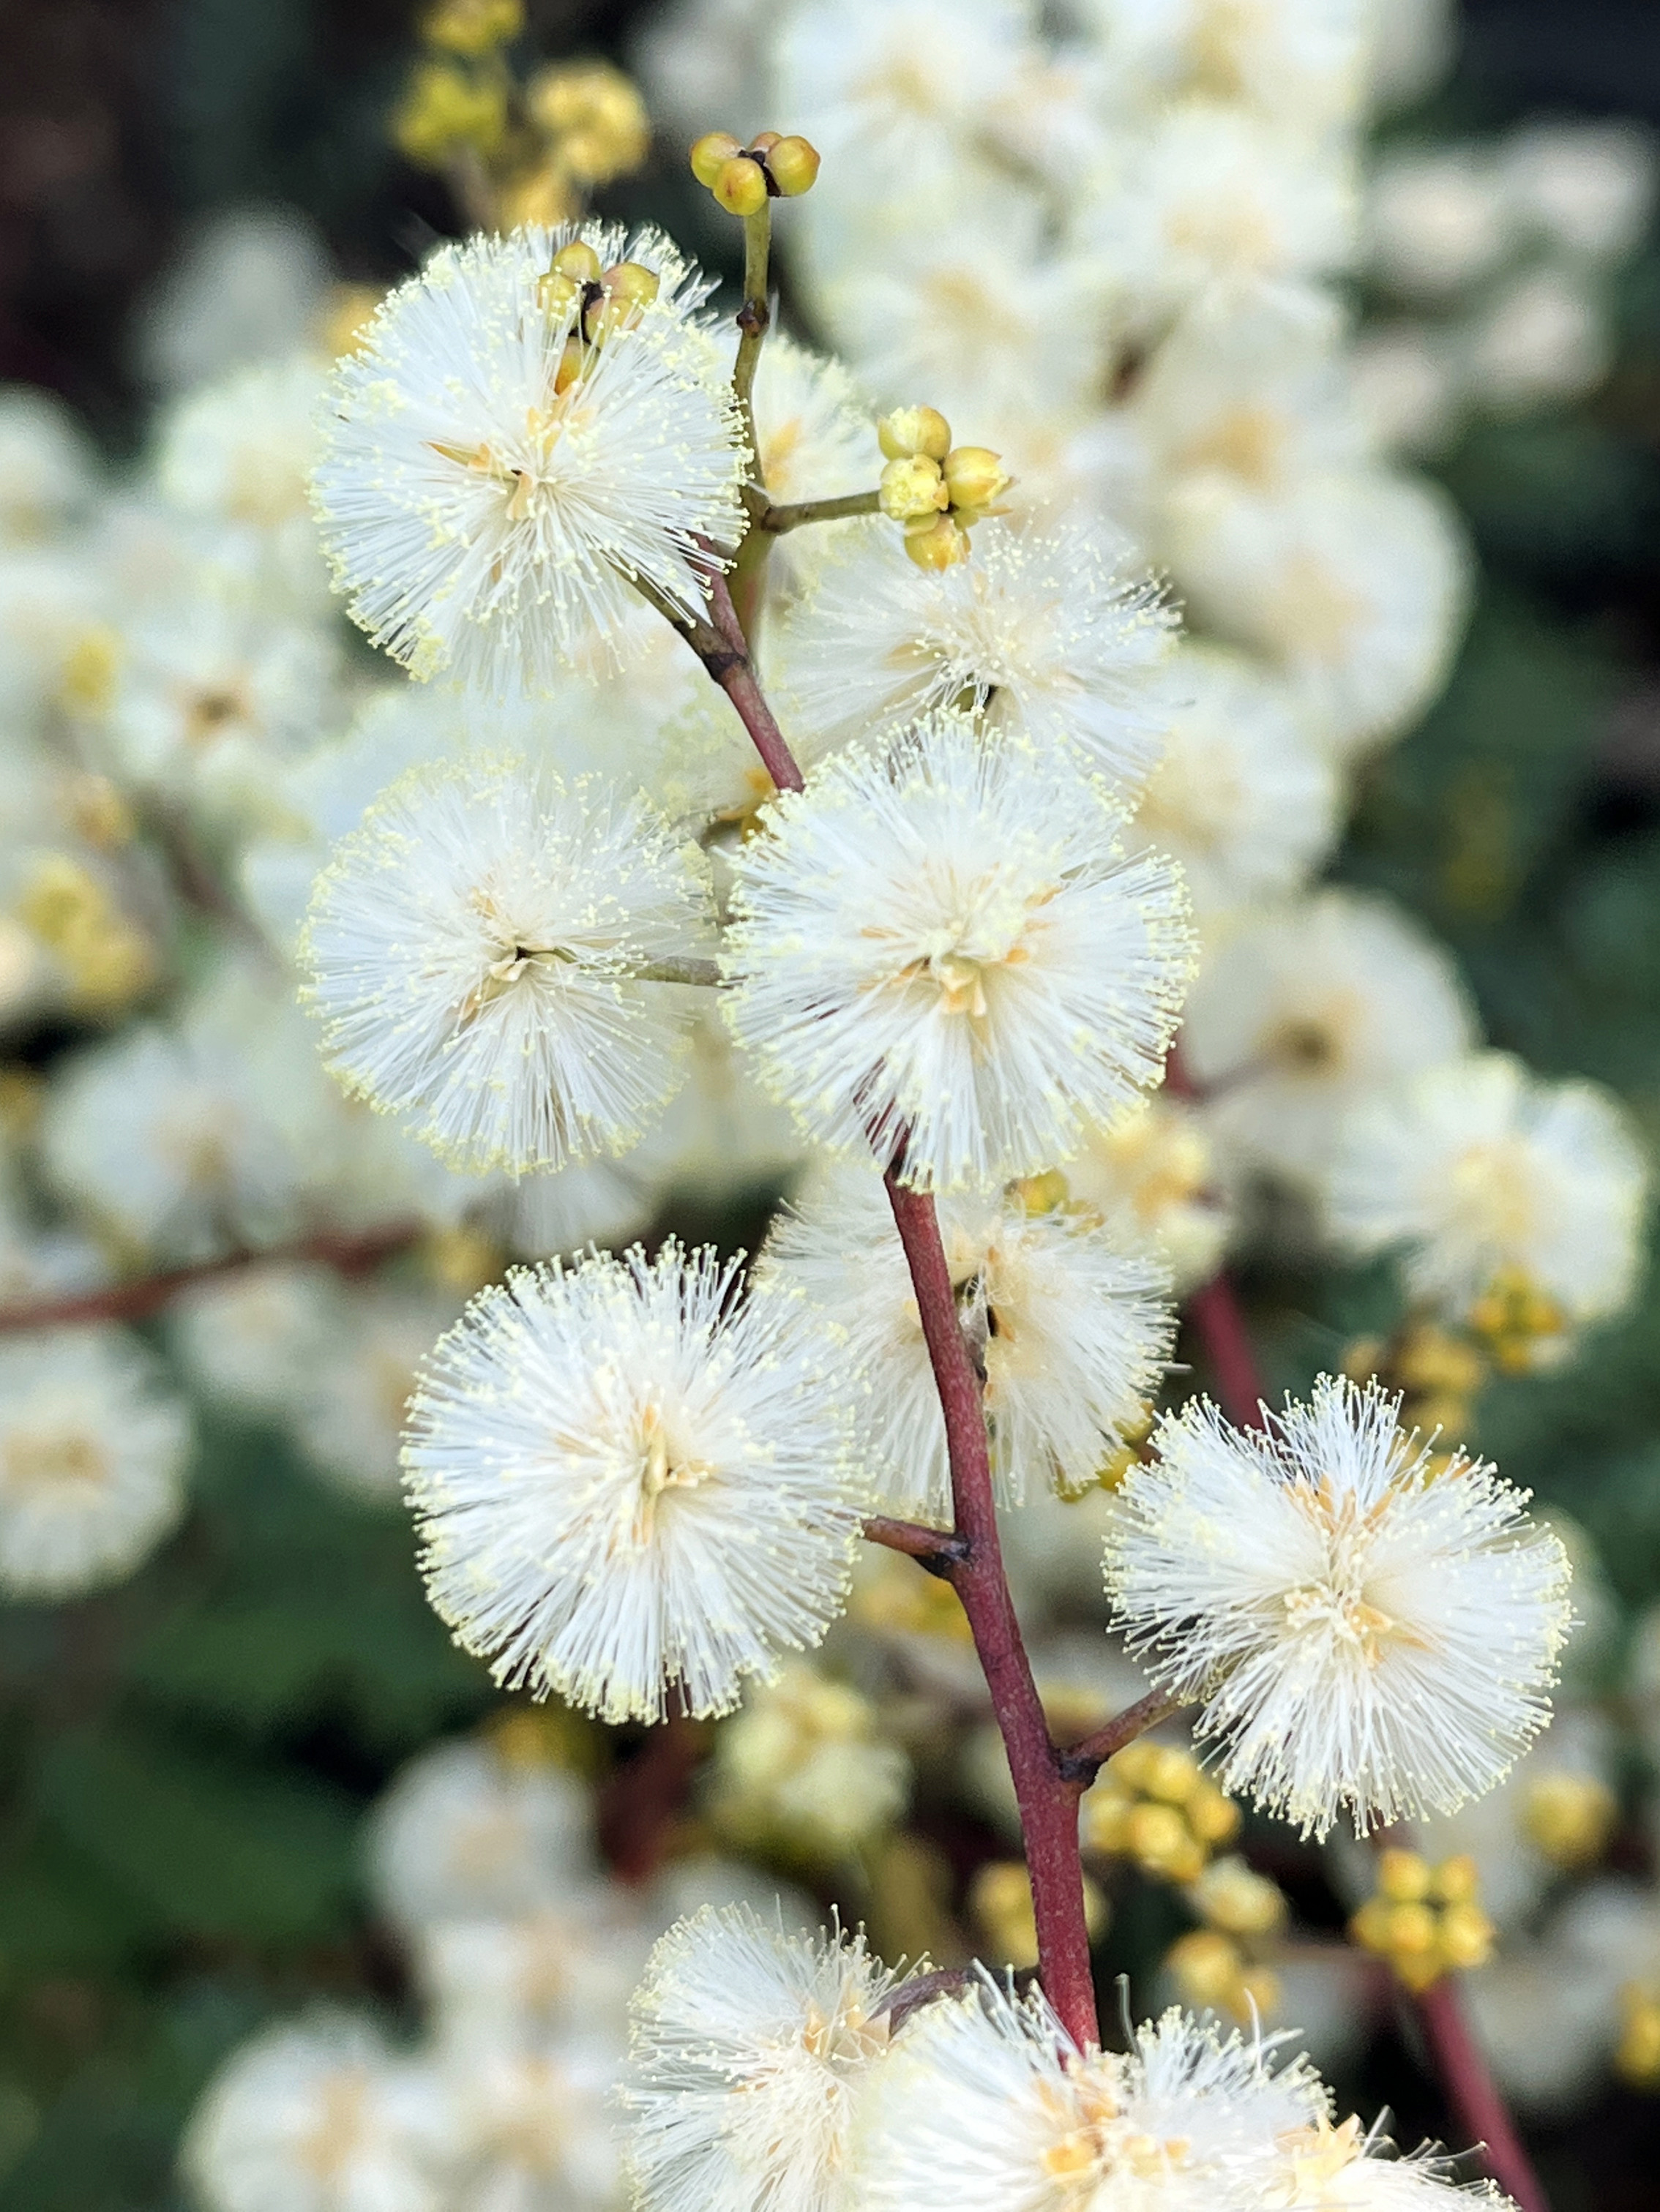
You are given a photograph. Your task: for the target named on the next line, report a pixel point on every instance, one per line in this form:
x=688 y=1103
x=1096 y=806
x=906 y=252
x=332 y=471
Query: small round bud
x=628 y=287
x=1465 y=1935
x=1411 y=1928
x=1208 y=1967
x=938 y=544
x=912 y=487
x=711 y=154
x=974 y=475
x=795 y=166
x=764 y=141
x=910 y=430
x=1402 y=1876
x=472 y=26
x=741 y=187
x=573 y=269
x=1212 y=1816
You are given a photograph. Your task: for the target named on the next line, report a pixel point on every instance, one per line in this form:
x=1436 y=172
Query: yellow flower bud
x=1370 y=1926
x=1569 y=1818
x=90 y=668
x=461 y=1259
x=1456 y=1879
x=1233 y=1896
x=1130 y=1768
x=1465 y=1935
x=1213 y=1817
x=795 y=166
x=711 y=154
x=974 y=477
x=629 y=286
x=543 y=195
x=741 y=187
x=936 y=544
x=573 y=270
x=446 y=110
x=1208 y=1970
x=914 y=431
x=1637 y=2059
x=1412 y=1930
x=1402 y=1876
x=1157 y=1835
x=1104 y=1815
x=912 y=488
x=1172 y=1775
x=1041 y=1194
x=472 y=26
x=595 y=116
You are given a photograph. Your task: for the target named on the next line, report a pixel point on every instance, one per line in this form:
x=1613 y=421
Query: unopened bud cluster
x=937 y=490
x=1219 y=1965
x=1000 y=1902
x=1424 y=1919
x=1154 y=1805
x=604 y=300
x=742 y=178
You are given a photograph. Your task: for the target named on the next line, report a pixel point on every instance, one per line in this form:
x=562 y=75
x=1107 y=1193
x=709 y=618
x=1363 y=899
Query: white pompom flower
x=627 y=1481
x=1369 y=1625
x=489 y=499
x=1053 y=632
x=92 y=1457
x=1479 y=1170
x=1075 y=1333
x=476 y=951
x=986 y=2103
x=940 y=951
x=749 y=2049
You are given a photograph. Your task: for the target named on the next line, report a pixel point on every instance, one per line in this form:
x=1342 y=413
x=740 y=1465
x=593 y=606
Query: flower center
x=1103 y=2143
x=54 y=1459
x=662 y=1468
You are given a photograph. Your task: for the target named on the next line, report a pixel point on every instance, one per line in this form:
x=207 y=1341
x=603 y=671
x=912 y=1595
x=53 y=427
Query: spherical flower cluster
x=940 y=952
x=475 y=951
x=1368 y=1626
x=512 y=448
x=627 y=1482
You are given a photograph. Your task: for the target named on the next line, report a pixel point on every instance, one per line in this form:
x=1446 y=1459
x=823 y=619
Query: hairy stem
x=798 y=513
x=149 y=1294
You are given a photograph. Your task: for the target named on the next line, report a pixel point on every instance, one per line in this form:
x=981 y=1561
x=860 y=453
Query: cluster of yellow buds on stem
x=1151 y=1802
x=742 y=178
x=515 y=152
x=937 y=490
x=1218 y=1965
x=607 y=299
x=1437 y=1372
x=1521 y=1328
x=999 y=1903
x=1424 y=1920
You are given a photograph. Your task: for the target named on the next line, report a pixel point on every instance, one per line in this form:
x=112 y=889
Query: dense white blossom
x=627 y=1480
x=487 y=511
x=985 y=2103
x=1367 y=1626
x=1074 y=1333
x=92 y=1457
x=1154 y=1178
x=939 y=950
x=1054 y=633
x=474 y=948
x=750 y=2048
x=318 y=2115
x=1478 y=1169
x=1306 y=1012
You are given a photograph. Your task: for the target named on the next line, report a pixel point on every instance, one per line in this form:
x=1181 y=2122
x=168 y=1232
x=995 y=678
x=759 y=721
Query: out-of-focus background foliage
x=185 y=1762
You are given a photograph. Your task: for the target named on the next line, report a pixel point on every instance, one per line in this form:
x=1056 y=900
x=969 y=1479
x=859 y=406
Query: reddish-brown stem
x=1082 y=1761
x=639 y=1804
x=1214 y=1312
x=937 y=1549
x=148 y=1294
x=1047 y=1798
x=1472 y=2093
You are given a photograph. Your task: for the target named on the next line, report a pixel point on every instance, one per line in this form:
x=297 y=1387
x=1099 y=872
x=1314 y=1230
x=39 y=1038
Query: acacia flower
x=1369 y=1625
x=749 y=2048
x=513 y=445
x=940 y=952
x=625 y=1481
x=1074 y=1332
x=1052 y=632
x=474 y=949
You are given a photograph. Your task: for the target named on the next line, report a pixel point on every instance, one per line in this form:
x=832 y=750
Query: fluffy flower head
x=1369 y=1626
x=1048 y=631
x=492 y=482
x=625 y=1481
x=749 y=2047
x=941 y=950
x=473 y=952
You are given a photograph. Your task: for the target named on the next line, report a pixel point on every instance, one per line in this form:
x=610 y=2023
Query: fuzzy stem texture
x=149 y=1294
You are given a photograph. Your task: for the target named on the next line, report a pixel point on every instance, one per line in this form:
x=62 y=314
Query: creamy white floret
x=940 y=952
x=627 y=1481
x=1369 y=1628
x=475 y=951
x=486 y=525
x=1073 y=1333
x=93 y=1451
x=749 y=2051
x=1054 y=633
x=1306 y=1012
x=1478 y=1169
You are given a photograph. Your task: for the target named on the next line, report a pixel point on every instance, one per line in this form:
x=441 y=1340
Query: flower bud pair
x=744 y=177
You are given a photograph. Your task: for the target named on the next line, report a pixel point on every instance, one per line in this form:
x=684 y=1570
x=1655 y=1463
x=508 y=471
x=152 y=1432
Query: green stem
x=777 y=520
